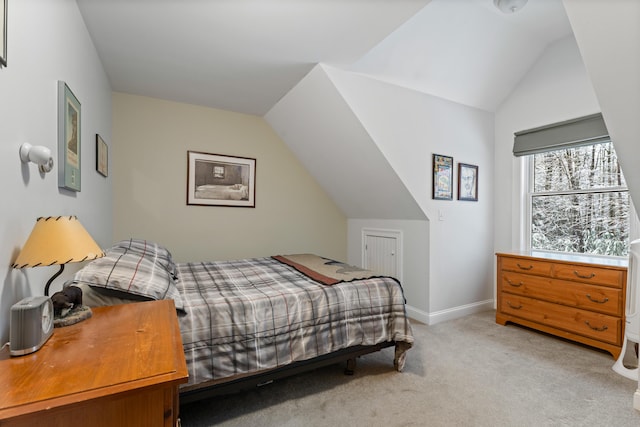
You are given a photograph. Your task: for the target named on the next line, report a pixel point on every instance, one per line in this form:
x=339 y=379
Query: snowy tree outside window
x=579 y=201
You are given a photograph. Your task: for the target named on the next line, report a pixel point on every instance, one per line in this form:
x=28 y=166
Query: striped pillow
x=158 y=254
x=132 y=272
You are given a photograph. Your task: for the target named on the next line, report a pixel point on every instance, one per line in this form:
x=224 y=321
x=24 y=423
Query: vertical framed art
x=442 y=177
x=102 y=156
x=3 y=33
x=68 y=138
x=467 y=182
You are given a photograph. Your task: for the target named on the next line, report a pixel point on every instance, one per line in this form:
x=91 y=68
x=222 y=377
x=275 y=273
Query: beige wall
x=149 y=171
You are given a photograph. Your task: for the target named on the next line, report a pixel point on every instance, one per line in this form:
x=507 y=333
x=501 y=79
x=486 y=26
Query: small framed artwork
x=442 y=177
x=102 y=156
x=68 y=138
x=3 y=33
x=467 y=182
x=220 y=180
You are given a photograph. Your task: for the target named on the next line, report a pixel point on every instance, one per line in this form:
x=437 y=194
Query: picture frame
x=467 y=182
x=69 y=139
x=102 y=156
x=220 y=180
x=3 y=33
x=442 y=177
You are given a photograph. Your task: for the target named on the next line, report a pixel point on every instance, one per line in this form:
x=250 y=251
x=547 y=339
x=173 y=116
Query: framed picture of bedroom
x=220 y=180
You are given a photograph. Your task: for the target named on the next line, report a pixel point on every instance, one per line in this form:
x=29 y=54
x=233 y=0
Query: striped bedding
x=248 y=315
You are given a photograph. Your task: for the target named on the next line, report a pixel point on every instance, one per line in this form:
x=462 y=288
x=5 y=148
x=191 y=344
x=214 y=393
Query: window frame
x=528 y=176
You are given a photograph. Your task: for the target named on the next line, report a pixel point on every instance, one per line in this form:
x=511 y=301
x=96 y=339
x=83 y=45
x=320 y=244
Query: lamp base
x=76 y=315
x=46 y=287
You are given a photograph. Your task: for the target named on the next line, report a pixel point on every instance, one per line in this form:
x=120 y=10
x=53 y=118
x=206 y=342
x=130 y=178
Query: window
x=218 y=172
x=578 y=201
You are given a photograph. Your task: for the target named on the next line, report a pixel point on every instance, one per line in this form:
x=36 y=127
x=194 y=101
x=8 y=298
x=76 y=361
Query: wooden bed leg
x=351 y=366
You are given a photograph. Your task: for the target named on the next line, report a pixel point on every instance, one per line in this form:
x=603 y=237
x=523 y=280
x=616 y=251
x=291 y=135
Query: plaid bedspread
x=248 y=315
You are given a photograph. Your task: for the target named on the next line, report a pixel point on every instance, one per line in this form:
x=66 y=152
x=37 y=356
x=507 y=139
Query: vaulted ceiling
x=245 y=55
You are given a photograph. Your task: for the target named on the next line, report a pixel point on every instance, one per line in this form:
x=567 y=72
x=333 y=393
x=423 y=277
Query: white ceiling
x=244 y=55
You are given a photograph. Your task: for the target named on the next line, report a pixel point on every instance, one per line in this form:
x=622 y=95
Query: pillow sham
x=155 y=252
x=94 y=298
x=131 y=272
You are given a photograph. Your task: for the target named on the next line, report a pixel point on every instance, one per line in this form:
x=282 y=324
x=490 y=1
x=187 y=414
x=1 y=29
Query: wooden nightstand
x=121 y=367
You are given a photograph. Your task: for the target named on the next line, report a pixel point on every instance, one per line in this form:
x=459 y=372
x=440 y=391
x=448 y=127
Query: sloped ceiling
x=612 y=58
x=245 y=55
x=346 y=163
x=237 y=55
x=466 y=51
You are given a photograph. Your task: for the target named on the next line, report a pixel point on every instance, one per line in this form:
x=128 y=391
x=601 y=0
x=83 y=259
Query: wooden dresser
x=121 y=367
x=574 y=297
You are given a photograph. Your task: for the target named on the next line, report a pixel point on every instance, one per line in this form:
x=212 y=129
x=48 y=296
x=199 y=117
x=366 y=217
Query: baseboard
x=450 y=313
x=417 y=314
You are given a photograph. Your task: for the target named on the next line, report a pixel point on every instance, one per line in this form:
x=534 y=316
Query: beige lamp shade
x=57 y=240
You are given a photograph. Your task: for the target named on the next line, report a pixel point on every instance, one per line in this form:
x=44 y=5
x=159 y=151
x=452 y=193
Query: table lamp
x=57 y=240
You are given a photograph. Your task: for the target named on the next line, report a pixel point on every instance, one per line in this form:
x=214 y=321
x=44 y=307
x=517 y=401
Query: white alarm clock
x=31 y=324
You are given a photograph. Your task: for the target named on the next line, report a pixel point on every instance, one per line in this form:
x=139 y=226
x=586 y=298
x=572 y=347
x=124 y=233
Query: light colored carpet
x=464 y=372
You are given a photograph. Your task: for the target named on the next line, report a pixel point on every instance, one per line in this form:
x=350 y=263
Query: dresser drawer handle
x=515 y=285
x=588 y=276
x=524 y=268
x=598 y=301
x=602 y=329
x=513 y=306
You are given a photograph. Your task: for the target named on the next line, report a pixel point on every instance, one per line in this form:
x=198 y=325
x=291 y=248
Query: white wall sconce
x=509 y=6
x=37 y=154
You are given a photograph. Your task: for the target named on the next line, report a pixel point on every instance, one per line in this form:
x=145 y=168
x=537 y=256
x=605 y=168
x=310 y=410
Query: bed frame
x=129 y=255
x=236 y=384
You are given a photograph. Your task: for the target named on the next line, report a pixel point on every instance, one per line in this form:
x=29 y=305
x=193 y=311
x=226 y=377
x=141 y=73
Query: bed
x=246 y=322
x=222 y=192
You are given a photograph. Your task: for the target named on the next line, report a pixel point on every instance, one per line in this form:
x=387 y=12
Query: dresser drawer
x=525 y=265
x=589 y=274
x=586 y=323
x=589 y=297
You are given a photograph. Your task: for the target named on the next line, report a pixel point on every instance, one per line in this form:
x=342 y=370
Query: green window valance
x=586 y=130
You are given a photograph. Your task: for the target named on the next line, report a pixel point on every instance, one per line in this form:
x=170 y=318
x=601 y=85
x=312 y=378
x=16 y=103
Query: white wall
x=557 y=88
x=409 y=127
x=47 y=42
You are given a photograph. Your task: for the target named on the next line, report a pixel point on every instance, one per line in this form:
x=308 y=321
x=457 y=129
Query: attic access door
x=382 y=251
